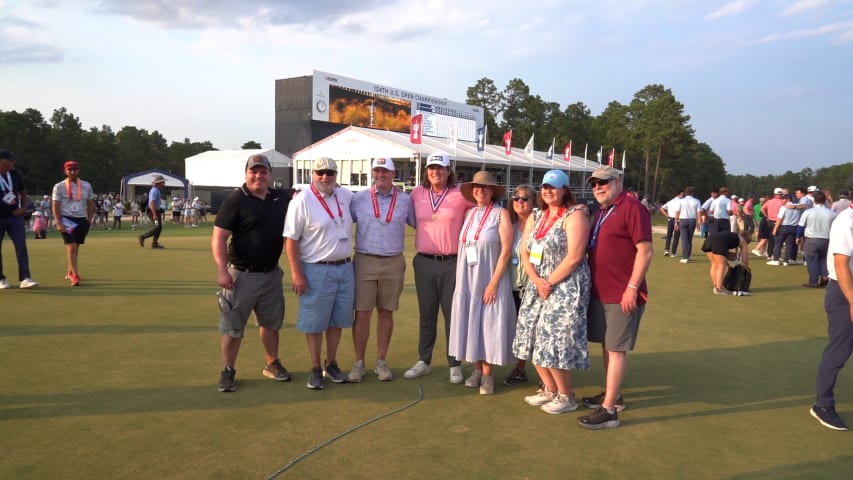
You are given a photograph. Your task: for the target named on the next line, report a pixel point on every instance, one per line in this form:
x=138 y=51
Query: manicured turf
x=117 y=379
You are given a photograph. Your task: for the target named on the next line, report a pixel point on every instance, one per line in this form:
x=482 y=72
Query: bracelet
x=630 y=285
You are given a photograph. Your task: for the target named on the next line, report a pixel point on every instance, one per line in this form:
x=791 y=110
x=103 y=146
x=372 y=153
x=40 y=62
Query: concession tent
x=218 y=169
x=137 y=184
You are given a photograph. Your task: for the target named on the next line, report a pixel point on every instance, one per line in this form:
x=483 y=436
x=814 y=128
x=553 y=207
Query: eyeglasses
x=516 y=198
x=73 y=168
x=597 y=182
x=325 y=173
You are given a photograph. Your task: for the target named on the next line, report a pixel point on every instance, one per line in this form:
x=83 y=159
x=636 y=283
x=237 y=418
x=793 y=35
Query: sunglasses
x=596 y=182
x=73 y=168
x=516 y=198
x=325 y=173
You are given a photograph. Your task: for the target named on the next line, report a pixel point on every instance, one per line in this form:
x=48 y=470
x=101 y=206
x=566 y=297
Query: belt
x=335 y=262
x=440 y=258
x=253 y=269
x=377 y=256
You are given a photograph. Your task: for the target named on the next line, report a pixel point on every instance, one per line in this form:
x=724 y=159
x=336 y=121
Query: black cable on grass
x=333 y=439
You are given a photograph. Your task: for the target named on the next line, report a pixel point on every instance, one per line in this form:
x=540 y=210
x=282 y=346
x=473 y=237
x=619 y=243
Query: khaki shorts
x=607 y=324
x=378 y=281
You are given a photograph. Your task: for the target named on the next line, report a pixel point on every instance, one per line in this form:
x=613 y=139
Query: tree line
x=43 y=145
x=663 y=154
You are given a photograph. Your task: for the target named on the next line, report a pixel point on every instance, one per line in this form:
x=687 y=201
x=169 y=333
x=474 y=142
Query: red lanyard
x=480 y=228
x=376 y=203
x=326 y=206
x=545 y=226
x=68 y=189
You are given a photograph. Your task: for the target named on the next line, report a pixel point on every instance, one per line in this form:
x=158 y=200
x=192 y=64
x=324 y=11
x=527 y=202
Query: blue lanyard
x=601 y=218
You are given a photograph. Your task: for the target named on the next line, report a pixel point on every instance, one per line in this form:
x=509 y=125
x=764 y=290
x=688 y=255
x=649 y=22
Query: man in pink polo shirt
x=439 y=212
x=620 y=251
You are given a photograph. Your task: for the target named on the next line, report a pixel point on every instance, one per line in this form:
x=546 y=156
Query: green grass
x=116 y=379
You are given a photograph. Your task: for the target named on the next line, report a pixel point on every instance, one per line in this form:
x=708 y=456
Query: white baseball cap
x=382 y=162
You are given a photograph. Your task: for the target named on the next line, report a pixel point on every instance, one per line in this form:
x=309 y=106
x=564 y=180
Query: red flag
x=610 y=157
x=567 y=153
x=416 y=130
x=508 y=142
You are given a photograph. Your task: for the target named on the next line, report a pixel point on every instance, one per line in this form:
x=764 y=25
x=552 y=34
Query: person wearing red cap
x=13 y=202
x=73 y=204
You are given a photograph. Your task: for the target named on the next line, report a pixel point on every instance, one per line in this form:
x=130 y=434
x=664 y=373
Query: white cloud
x=729 y=9
x=802 y=5
x=841 y=32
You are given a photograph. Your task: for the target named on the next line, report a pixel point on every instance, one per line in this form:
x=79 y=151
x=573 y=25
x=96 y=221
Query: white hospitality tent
x=354 y=147
x=138 y=184
x=217 y=169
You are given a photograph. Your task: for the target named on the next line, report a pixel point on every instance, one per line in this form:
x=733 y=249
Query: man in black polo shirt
x=247 y=268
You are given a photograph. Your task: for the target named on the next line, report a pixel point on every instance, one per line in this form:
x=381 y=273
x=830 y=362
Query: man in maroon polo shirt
x=620 y=251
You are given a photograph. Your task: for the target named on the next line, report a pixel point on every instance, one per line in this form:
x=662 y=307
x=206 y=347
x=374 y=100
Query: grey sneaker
x=487 y=385
x=226 y=380
x=599 y=419
x=276 y=371
x=315 y=379
x=474 y=380
x=595 y=402
x=357 y=372
x=560 y=404
x=4 y=284
x=542 y=397
x=334 y=372
x=382 y=371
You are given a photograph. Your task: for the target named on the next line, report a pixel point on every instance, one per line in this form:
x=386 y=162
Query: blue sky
x=768 y=84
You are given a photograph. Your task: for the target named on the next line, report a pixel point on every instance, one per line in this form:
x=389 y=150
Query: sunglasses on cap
x=597 y=182
x=325 y=173
x=516 y=198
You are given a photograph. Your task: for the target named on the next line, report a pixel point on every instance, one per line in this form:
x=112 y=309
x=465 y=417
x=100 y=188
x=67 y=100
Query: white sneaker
x=487 y=385
x=382 y=371
x=685 y=260
x=560 y=404
x=357 y=372
x=29 y=283
x=456 y=375
x=774 y=263
x=419 y=369
x=474 y=380
x=542 y=397
x=757 y=253
x=4 y=283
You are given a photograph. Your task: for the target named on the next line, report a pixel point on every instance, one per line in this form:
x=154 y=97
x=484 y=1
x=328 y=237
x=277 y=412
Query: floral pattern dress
x=552 y=332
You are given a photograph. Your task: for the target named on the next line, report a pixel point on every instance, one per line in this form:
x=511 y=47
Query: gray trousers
x=839 y=347
x=435 y=281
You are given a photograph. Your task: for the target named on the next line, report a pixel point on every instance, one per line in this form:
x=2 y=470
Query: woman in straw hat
x=482 y=322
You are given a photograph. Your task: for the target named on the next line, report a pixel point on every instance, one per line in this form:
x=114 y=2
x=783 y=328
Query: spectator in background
x=155 y=212
x=843 y=202
x=134 y=215
x=13 y=206
x=118 y=211
x=39 y=225
x=686 y=217
x=73 y=208
x=717 y=247
x=813 y=235
x=770 y=211
x=673 y=235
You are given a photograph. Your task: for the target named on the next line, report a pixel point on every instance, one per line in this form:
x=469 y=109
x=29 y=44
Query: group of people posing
x=531 y=282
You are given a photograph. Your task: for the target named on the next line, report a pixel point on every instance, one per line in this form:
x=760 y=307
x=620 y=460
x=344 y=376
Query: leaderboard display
x=343 y=100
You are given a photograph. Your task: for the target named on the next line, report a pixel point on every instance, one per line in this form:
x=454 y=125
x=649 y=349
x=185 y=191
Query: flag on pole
x=416 y=129
x=600 y=154
x=623 y=160
x=508 y=142
x=528 y=149
x=453 y=135
x=610 y=157
x=550 y=154
x=481 y=139
x=567 y=152
x=585 y=147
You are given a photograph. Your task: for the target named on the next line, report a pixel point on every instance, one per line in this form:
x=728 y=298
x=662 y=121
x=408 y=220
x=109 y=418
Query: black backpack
x=738 y=279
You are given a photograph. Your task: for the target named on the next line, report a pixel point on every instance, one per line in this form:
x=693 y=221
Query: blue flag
x=481 y=139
